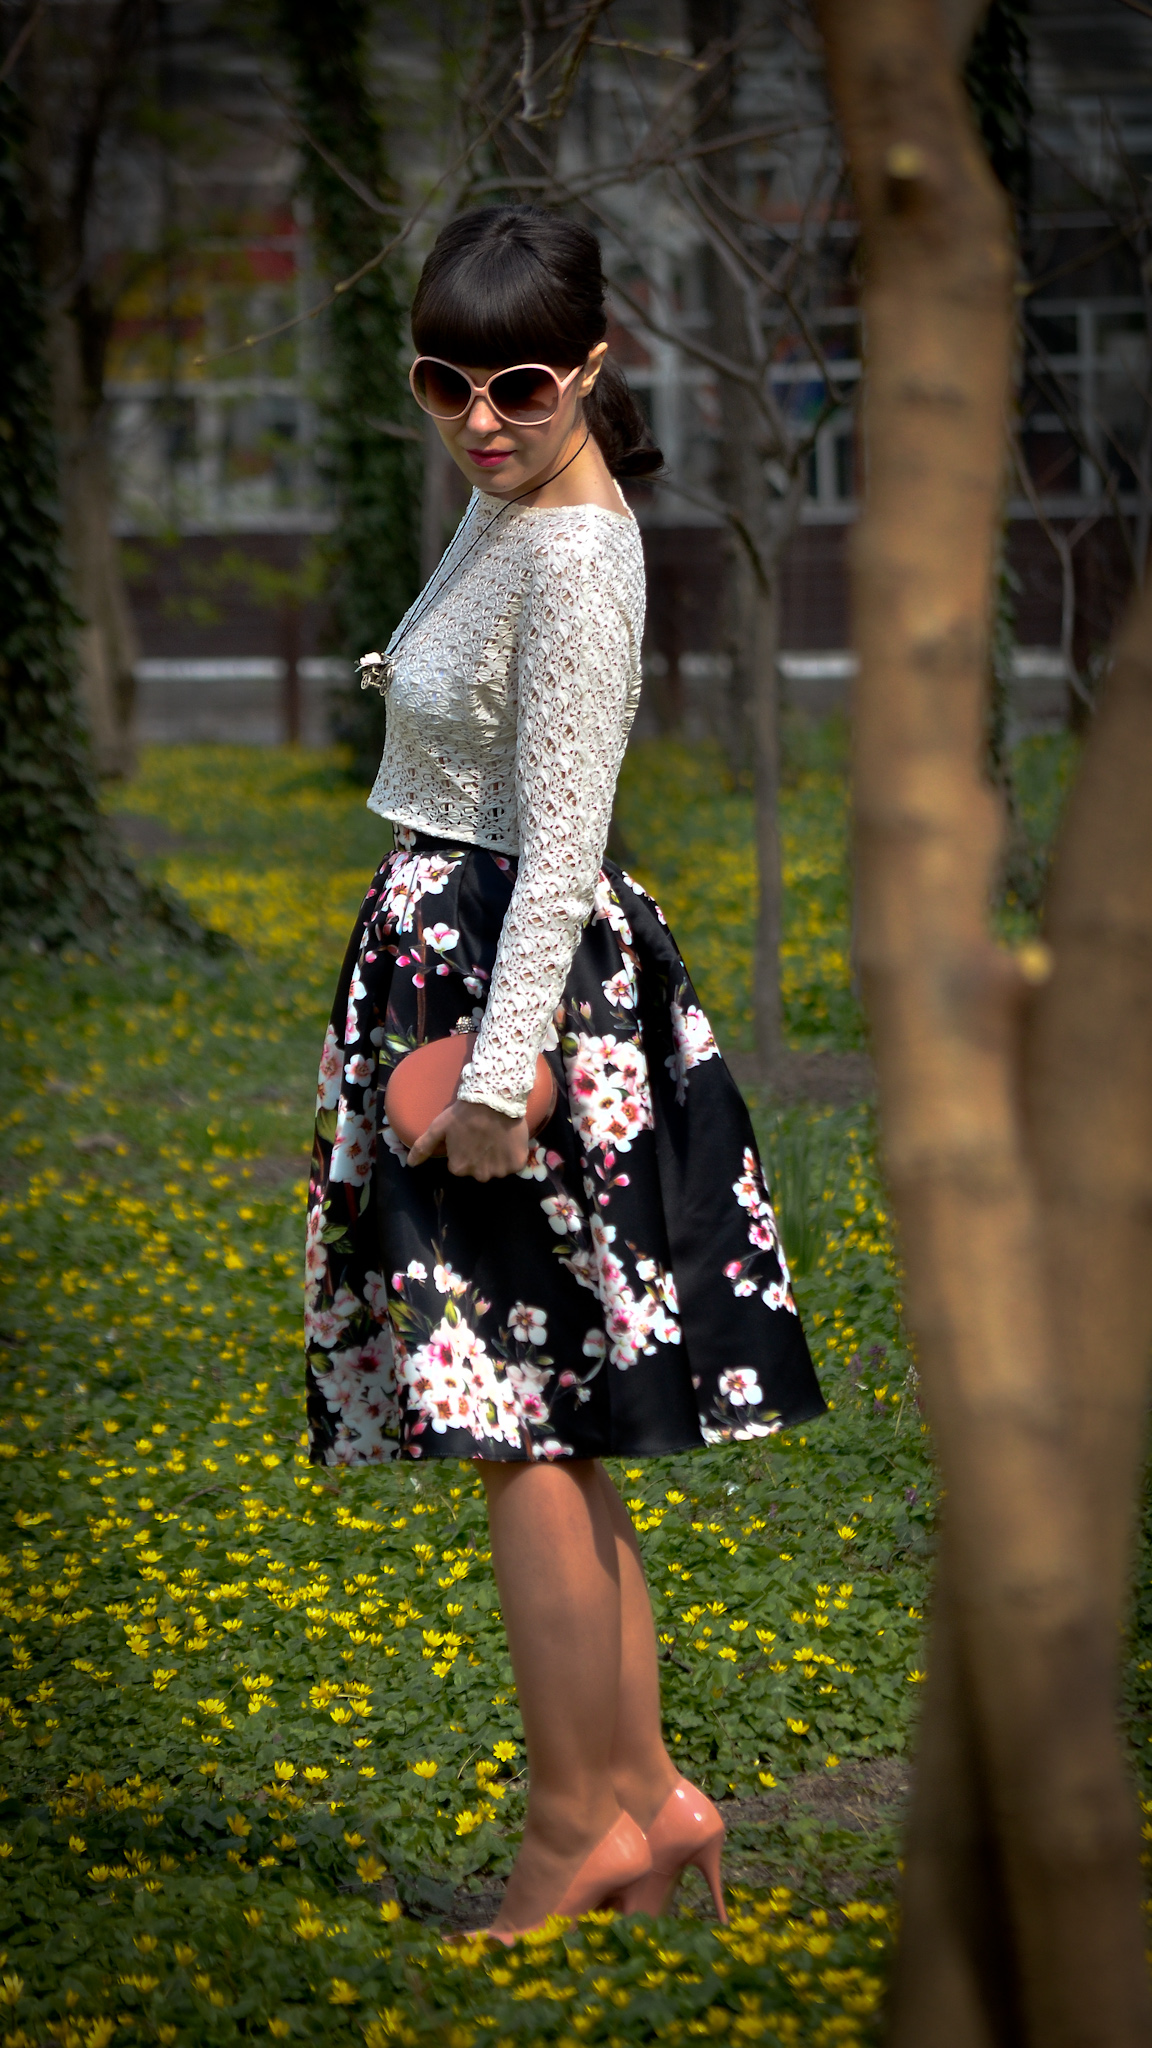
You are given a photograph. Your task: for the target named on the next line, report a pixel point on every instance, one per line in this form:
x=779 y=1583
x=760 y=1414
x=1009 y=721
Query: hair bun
x=637 y=462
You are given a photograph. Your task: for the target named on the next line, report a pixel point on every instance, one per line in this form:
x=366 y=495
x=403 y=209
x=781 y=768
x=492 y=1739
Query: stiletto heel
x=707 y=1861
x=687 y=1829
x=620 y=1860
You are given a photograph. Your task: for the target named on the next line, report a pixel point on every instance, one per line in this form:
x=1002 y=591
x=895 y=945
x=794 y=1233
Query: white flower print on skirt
x=626 y=1293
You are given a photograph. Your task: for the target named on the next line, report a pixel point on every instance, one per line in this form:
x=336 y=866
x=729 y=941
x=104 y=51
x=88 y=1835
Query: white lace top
x=507 y=720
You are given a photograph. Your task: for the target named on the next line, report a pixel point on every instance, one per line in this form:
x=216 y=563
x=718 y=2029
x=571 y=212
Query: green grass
x=258 y=1721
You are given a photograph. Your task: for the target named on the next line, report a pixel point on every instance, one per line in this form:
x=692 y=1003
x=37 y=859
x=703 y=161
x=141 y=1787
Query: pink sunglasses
x=528 y=395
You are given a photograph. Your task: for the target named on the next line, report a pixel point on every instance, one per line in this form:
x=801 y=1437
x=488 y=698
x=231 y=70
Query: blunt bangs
x=497 y=304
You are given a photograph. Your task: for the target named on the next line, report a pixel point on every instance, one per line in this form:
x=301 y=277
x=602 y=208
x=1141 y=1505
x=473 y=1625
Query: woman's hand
x=476 y=1140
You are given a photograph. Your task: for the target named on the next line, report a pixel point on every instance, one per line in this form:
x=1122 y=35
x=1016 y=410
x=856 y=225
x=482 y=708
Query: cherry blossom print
x=741 y=1388
x=452 y=1382
x=529 y=1386
x=326 y=1326
x=620 y=988
x=356 y=994
x=331 y=1067
x=607 y=1090
x=354 y=1146
x=315 y=1251
x=694 y=1044
x=564 y=1215
x=408 y=882
x=445 y=1319
x=536 y=1166
x=649 y=901
x=445 y=1281
x=376 y=1295
x=528 y=1324
x=394 y=1143
x=606 y=905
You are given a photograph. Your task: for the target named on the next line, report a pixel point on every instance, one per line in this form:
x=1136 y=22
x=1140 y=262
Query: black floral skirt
x=626 y=1293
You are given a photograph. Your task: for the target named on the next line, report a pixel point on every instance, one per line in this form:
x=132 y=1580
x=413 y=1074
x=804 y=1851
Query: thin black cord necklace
x=378 y=671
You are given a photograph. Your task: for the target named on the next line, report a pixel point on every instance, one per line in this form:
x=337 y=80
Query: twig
x=346 y=283
x=1062 y=545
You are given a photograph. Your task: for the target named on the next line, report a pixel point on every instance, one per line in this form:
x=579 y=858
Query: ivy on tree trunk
x=63 y=875
x=374 y=553
x=60 y=871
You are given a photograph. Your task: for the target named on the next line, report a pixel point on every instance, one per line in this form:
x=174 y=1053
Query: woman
x=613 y=1285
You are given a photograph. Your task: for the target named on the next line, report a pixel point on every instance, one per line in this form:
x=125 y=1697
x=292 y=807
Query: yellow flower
x=279 y=2028
x=391 y=1909
x=314 y=1774
x=309 y=1924
x=342 y=1993
x=426 y=1768
x=184 y=1953
x=504 y=1751
x=389 y=2026
x=284 y=1771
x=798 y=1727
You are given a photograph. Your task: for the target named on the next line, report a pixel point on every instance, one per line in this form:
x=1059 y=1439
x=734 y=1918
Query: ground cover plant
x=260 y=1738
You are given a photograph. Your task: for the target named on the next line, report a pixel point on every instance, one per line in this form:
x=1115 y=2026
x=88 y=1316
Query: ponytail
x=619 y=426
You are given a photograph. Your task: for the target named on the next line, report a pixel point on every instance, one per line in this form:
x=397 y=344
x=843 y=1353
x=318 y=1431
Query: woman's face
x=507 y=460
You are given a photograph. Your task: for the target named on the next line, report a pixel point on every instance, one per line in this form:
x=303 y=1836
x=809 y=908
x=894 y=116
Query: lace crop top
x=507 y=719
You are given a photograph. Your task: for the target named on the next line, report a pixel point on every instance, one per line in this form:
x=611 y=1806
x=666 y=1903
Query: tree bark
x=1021 y=1776
x=71 y=117
x=767 y=1000
x=752 y=596
x=107 y=645
x=1088 y=1094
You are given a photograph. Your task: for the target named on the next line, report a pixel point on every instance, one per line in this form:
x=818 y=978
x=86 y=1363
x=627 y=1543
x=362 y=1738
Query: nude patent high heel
x=620 y=1861
x=687 y=1829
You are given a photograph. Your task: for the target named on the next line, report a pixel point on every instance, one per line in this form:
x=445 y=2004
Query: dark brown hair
x=516 y=284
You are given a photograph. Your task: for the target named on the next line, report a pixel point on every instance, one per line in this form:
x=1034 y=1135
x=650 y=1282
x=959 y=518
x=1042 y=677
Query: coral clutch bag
x=425 y=1082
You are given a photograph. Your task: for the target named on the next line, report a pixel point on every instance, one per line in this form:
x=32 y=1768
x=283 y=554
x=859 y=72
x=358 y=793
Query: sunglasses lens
x=527 y=397
x=441 y=390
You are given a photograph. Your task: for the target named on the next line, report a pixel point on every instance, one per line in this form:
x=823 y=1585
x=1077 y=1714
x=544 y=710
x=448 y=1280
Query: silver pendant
x=376 y=672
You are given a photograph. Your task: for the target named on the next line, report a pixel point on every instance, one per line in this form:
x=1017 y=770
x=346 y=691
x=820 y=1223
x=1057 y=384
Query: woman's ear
x=592 y=367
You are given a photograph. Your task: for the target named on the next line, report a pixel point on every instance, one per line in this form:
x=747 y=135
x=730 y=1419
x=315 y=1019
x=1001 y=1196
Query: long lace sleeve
x=578 y=656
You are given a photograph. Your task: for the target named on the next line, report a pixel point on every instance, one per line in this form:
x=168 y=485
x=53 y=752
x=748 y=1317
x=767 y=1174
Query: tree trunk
x=751 y=606
x=106 y=645
x=1021 y=1784
x=767 y=1007
x=375 y=553
x=1088 y=1093
x=78 y=329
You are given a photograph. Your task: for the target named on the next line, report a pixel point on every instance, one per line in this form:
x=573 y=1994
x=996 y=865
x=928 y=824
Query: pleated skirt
x=625 y=1294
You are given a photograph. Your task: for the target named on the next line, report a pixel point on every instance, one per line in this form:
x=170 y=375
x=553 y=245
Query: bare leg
x=643 y=1773
x=555 y=1559
x=583 y=1648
